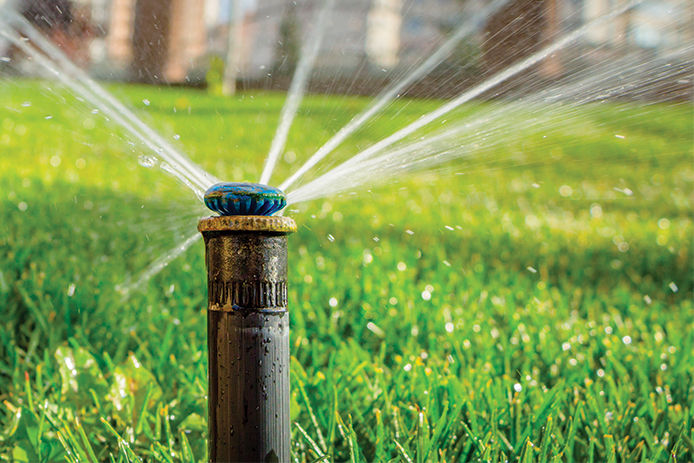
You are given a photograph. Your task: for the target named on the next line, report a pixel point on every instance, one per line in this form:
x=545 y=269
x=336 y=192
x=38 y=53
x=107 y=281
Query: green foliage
x=537 y=308
x=215 y=75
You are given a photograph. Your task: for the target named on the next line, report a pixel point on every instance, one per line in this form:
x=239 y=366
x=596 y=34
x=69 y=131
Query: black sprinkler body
x=248 y=333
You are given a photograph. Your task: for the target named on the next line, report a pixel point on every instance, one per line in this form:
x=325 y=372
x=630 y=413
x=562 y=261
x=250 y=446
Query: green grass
x=528 y=310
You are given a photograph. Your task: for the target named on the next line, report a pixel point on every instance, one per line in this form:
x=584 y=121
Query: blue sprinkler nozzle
x=234 y=198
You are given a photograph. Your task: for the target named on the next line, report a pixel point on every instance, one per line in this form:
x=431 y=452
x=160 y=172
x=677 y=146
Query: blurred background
x=368 y=42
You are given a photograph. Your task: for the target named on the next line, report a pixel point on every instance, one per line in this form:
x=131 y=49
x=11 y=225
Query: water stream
x=540 y=108
x=14 y=28
x=479 y=89
x=545 y=111
x=309 y=52
x=393 y=91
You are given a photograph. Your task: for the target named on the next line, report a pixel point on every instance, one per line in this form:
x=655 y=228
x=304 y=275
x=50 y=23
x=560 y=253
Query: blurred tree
x=68 y=24
x=48 y=14
x=518 y=30
x=150 y=40
x=215 y=76
x=551 y=66
x=287 y=54
x=234 y=46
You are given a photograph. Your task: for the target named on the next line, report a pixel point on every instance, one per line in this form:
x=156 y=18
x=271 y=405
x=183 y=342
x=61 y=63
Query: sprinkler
x=247 y=323
x=244 y=199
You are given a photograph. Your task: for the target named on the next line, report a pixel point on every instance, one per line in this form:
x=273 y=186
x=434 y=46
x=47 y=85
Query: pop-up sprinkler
x=247 y=323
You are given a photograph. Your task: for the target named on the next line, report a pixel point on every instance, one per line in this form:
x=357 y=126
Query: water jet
x=247 y=266
x=247 y=323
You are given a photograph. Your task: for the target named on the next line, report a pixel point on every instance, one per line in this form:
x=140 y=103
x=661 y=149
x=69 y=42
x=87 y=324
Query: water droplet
x=595 y=211
x=368 y=257
x=147 y=161
x=625 y=191
x=371 y=326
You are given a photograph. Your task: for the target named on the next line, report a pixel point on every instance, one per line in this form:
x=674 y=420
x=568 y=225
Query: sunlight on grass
x=532 y=305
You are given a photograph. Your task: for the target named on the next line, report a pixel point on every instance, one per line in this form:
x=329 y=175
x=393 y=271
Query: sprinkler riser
x=248 y=338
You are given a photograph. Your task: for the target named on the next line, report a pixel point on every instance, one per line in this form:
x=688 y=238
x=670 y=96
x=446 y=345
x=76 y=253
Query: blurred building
x=156 y=40
x=384 y=24
x=362 y=37
x=656 y=25
x=172 y=41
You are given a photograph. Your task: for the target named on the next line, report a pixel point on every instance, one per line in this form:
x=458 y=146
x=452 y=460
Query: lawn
x=534 y=304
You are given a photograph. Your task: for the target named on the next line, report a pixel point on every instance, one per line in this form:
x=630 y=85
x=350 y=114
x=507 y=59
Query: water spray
x=247 y=323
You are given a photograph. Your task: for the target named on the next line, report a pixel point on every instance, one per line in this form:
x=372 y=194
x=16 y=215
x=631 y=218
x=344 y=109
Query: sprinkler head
x=232 y=198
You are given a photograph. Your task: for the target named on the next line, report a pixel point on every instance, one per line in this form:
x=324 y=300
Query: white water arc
x=470 y=94
x=326 y=182
x=393 y=91
x=295 y=95
x=126 y=288
x=297 y=89
x=559 y=107
x=53 y=60
x=442 y=139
